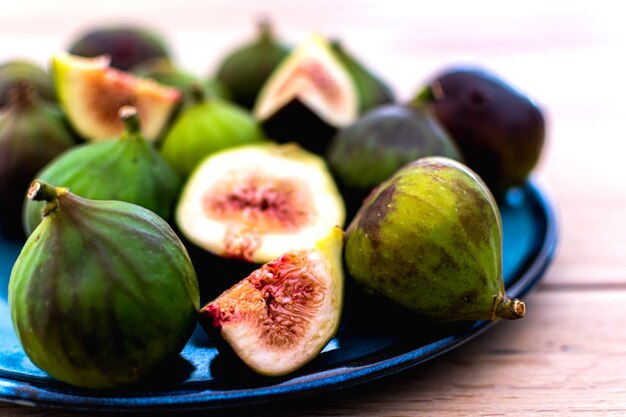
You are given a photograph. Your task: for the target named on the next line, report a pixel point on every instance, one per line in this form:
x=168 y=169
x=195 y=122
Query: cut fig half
x=308 y=96
x=91 y=95
x=283 y=314
x=256 y=202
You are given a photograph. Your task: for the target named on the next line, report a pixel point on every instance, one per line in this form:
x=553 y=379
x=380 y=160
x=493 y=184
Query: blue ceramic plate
x=365 y=348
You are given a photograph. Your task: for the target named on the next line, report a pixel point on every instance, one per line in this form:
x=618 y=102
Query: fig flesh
x=499 y=130
x=283 y=314
x=17 y=72
x=32 y=133
x=91 y=94
x=256 y=202
x=430 y=239
x=127 y=168
x=245 y=70
x=308 y=97
x=205 y=127
x=126 y=45
x=102 y=292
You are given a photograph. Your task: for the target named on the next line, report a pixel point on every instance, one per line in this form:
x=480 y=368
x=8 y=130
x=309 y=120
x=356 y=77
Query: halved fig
x=91 y=95
x=308 y=97
x=256 y=202
x=283 y=314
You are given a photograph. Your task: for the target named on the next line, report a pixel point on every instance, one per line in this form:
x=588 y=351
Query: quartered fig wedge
x=256 y=202
x=283 y=314
x=308 y=97
x=92 y=94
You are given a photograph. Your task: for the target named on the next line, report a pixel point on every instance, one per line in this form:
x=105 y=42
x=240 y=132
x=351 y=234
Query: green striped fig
x=102 y=292
x=430 y=239
x=127 y=169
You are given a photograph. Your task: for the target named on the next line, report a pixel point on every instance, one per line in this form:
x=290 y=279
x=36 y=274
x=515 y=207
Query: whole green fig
x=32 y=133
x=102 y=292
x=17 y=72
x=204 y=127
x=499 y=130
x=245 y=70
x=430 y=239
x=127 y=168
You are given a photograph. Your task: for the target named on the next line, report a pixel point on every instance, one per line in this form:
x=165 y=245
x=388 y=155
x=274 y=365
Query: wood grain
x=568 y=356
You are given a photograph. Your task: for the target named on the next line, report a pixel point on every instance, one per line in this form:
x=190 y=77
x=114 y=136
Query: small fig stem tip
x=510 y=309
x=197 y=92
x=41 y=191
x=130 y=117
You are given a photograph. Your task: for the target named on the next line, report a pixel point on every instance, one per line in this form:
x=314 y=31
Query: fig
x=126 y=45
x=430 y=239
x=245 y=70
x=371 y=89
x=256 y=202
x=164 y=72
x=32 y=133
x=283 y=314
x=91 y=95
x=205 y=127
x=367 y=152
x=127 y=169
x=308 y=97
x=102 y=292
x=499 y=130
x=17 y=72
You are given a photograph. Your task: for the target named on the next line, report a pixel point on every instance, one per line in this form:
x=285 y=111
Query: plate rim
x=24 y=392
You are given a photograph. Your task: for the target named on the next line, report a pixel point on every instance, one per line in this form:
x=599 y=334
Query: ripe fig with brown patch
x=430 y=239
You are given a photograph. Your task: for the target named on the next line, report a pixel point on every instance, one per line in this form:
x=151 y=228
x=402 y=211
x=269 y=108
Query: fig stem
x=21 y=94
x=130 y=118
x=197 y=93
x=265 y=29
x=509 y=308
x=41 y=191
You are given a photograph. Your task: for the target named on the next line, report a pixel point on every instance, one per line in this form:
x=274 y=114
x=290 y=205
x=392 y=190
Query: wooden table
x=568 y=356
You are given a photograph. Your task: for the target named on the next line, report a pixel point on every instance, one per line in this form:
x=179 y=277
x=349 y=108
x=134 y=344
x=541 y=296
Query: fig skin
x=103 y=291
x=283 y=314
x=430 y=239
x=127 y=168
x=370 y=150
x=244 y=70
x=207 y=126
x=499 y=130
x=32 y=133
x=17 y=72
x=126 y=45
x=373 y=92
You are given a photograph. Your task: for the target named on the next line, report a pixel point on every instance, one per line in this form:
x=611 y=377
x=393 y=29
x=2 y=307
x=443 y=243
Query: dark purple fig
x=500 y=130
x=126 y=45
x=17 y=72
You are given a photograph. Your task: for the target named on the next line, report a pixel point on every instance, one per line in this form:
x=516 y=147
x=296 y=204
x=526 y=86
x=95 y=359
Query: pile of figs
x=151 y=199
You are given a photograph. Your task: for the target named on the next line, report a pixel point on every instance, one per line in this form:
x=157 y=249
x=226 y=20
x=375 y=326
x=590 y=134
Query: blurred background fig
x=205 y=126
x=367 y=152
x=244 y=70
x=308 y=97
x=32 y=133
x=25 y=72
x=372 y=90
x=126 y=45
x=499 y=130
